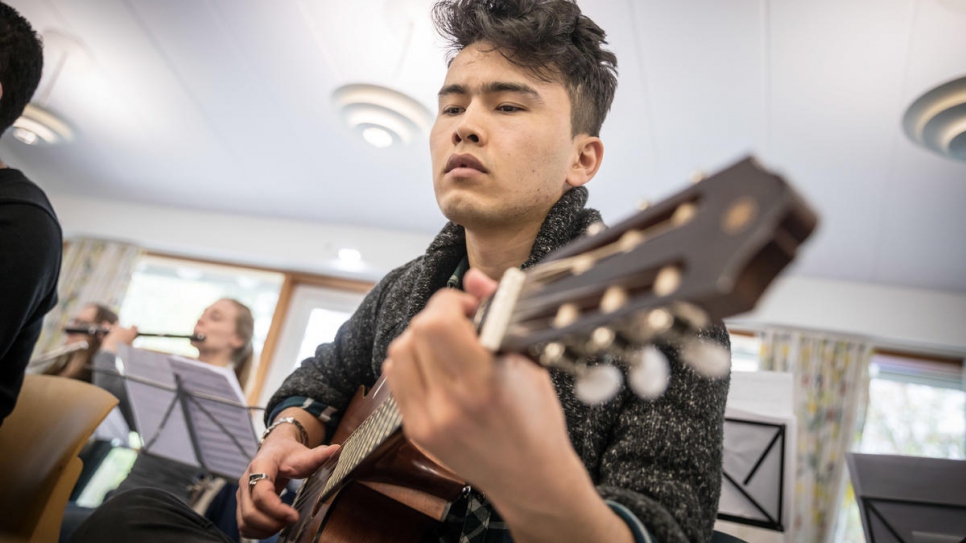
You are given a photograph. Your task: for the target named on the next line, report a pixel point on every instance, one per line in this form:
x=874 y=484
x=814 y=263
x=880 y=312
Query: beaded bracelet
x=303 y=435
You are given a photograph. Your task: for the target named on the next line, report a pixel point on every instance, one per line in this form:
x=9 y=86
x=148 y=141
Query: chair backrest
x=39 y=443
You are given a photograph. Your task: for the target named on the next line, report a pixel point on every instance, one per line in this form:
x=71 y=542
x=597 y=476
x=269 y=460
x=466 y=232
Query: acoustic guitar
x=704 y=254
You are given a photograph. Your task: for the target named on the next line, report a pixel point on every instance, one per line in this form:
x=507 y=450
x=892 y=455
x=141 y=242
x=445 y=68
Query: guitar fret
x=366 y=438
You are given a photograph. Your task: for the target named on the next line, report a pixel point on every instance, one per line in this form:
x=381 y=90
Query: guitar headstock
x=704 y=254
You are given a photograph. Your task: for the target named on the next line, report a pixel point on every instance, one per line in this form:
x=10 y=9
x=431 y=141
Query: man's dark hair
x=21 y=64
x=550 y=38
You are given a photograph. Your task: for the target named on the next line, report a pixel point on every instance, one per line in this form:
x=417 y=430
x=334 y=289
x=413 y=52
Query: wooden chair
x=39 y=443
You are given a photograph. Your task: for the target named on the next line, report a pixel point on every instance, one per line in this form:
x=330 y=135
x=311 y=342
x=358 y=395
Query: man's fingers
x=260 y=510
x=258 y=520
x=478 y=284
x=301 y=464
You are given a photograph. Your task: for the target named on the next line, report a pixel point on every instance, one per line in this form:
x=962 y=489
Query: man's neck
x=495 y=252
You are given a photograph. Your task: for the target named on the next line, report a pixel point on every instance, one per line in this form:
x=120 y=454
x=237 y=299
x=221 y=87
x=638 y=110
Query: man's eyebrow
x=452 y=89
x=498 y=87
x=495 y=87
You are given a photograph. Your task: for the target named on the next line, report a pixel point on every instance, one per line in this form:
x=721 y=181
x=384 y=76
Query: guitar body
x=359 y=514
x=396 y=494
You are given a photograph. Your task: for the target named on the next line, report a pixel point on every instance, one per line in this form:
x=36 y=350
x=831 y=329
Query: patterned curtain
x=831 y=391
x=93 y=270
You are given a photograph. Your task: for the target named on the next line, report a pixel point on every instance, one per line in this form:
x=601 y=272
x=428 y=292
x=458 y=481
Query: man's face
x=501 y=146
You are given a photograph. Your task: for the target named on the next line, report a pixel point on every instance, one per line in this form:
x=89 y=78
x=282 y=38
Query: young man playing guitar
x=514 y=142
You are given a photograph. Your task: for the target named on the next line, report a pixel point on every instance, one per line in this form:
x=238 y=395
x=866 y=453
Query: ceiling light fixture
x=382 y=116
x=352 y=257
x=937 y=120
x=37 y=126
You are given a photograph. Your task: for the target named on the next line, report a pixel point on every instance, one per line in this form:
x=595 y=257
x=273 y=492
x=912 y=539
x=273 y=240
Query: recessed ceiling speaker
x=937 y=120
x=382 y=116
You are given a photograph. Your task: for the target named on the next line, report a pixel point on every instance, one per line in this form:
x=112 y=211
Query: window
x=314 y=315
x=167 y=295
x=916 y=407
x=745 y=352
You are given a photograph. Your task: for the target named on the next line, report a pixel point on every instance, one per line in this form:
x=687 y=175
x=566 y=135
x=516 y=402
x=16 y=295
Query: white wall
x=932 y=321
x=240 y=239
x=926 y=320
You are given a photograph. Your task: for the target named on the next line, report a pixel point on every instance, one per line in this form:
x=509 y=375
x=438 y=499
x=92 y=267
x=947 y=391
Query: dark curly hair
x=21 y=64
x=550 y=38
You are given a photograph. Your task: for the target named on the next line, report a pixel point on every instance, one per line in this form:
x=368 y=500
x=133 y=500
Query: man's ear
x=588 y=154
x=1 y=91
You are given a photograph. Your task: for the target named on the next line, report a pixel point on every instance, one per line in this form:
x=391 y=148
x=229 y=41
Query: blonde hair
x=243 y=356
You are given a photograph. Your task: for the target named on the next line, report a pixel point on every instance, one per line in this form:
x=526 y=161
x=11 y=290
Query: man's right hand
x=282 y=457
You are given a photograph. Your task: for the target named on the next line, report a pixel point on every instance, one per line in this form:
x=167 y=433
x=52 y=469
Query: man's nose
x=469 y=128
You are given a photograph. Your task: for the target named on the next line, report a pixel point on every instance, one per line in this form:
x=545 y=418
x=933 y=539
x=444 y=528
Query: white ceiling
x=226 y=105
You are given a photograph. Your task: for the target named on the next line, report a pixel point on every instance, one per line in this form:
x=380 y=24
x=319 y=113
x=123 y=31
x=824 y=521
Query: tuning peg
x=597 y=384
x=649 y=373
x=707 y=358
x=667 y=281
x=582 y=263
x=556 y=354
x=644 y=328
x=596 y=228
x=698 y=176
x=600 y=340
x=614 y=298
x=684 y=213
x=567 y=314
x=630 y=240
x=691 y=315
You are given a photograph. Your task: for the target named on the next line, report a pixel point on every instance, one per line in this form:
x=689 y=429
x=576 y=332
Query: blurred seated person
x=77 y=364
x=227 y=326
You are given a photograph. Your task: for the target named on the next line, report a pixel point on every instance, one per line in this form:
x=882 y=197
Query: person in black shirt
x=30 y=236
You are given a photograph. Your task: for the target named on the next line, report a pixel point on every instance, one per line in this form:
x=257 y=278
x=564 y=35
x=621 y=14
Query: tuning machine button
x=706 y=357
x=649 y=372
x=597 y=384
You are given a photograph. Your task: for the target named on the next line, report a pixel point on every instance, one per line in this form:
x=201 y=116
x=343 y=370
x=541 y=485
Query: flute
x=101 y=330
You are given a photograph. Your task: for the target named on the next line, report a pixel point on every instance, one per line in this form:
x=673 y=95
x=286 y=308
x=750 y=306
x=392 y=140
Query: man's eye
x=452 y=110
x=507 y=108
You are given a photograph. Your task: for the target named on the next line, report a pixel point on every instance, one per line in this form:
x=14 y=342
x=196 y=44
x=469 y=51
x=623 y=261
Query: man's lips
x=463 y=161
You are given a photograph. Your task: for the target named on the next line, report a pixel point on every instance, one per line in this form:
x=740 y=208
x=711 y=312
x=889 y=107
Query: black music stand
x=754 y=473
x=909 y=499
x=189 y=412
x=758 y=475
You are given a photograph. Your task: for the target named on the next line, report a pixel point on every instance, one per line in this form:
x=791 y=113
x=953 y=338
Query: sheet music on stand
x=188 y=411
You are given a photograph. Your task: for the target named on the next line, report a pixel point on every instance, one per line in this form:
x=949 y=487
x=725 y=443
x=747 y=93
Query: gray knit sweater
x=661 y=459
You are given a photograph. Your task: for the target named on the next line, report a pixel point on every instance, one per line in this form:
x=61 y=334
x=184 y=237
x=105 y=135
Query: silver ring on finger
x=254 y=478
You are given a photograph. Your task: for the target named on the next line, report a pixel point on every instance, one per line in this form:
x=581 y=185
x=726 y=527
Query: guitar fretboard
x=382 y=423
